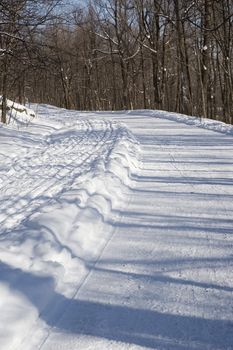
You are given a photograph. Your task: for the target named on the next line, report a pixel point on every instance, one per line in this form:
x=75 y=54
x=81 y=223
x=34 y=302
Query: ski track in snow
x=58 y=190
x=105 y=245
x=51 y=168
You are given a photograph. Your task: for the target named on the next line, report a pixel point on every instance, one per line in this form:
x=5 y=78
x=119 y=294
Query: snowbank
x=62 y=183
x=205 y=123
x=18 y=114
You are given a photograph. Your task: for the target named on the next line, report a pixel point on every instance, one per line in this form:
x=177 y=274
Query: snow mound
x=62 y=183
x=18 y=114
x=204 y=123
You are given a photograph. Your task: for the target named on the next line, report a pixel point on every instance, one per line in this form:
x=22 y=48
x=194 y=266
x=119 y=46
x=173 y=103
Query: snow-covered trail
x=164 y=279
x=102 y=250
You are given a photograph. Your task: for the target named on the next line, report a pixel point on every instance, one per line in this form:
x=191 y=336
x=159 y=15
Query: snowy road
x=163 y=278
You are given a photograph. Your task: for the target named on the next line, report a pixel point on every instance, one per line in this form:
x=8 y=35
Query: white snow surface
x=116 y=231
x=18 y=114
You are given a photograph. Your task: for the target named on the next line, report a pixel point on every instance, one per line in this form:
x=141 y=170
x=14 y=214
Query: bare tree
x=20 y=21
x=119 y=54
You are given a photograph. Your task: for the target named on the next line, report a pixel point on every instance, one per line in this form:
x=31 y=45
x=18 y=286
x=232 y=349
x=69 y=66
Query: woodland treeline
x=175 y=55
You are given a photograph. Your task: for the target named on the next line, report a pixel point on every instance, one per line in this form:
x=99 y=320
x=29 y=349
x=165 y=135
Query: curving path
x=165 y=278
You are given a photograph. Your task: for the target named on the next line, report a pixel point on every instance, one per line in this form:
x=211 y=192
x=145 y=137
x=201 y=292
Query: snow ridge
x=17 y=114
x=62 y=181
x=204 y=123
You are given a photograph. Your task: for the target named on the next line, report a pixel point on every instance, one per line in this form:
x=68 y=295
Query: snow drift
x=18 y=114
x=62 y=182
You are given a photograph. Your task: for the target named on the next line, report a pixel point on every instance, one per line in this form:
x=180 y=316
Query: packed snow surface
x=116 y=231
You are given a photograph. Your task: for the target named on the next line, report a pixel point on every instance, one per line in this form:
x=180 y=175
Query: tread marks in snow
x=53 y=166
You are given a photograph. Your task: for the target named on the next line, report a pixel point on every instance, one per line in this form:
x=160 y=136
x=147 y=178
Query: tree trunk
x=205 y=69
x=4 y=93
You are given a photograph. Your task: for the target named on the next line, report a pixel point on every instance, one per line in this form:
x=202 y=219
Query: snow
x=115 y=231
x=18 y=114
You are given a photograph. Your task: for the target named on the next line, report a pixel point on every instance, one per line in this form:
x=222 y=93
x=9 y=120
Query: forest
x=174 y=55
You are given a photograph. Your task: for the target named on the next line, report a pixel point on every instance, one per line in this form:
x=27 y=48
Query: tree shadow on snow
x=147 y=328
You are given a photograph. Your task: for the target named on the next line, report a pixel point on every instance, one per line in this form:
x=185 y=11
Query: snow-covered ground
x=116 y=231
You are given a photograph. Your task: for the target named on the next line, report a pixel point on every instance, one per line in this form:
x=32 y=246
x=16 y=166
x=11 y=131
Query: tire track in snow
x=80 y=170
x=66 y=308
x=59 y=160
